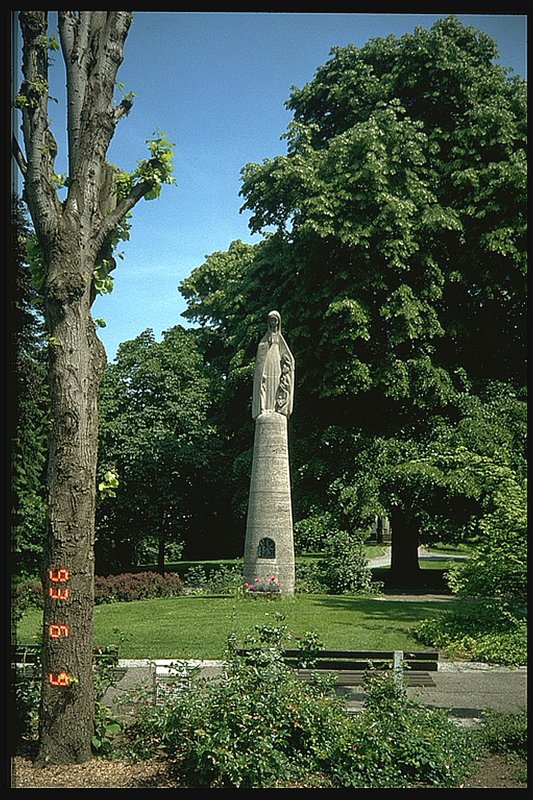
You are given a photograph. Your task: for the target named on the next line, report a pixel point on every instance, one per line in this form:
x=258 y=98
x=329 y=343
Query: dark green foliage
x=395 y=196
x=156 y=433
x=106 y=723
x=344 y=567
x=478 y=631
x=25 y=593
x=27 y=695
x=260 y=727
x=31 y=406
x=222 y=580
x=309 y=578
x=401 y=743
x=505 y=733
x=395 y=250
x=311 y=533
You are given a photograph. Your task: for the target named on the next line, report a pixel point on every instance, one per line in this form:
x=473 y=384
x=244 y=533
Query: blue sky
x=216 y=83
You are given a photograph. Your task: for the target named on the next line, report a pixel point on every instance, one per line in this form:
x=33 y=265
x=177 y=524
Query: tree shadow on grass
x=382 y=608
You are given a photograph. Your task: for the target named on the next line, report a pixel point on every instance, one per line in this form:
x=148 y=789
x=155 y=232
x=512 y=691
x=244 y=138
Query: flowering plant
x=263 y=586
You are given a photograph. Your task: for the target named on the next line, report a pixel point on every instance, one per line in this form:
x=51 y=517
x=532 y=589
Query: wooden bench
x=352 y=666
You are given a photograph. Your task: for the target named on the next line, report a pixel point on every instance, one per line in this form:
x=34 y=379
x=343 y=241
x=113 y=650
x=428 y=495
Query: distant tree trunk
x=405 y=568
x=161 y=554
x=161 y=543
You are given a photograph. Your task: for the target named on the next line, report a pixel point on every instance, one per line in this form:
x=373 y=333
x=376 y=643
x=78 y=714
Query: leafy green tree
x=157 y=434
x=31 y=407
x=403 y=195
x=78 y=218
x=395 y=249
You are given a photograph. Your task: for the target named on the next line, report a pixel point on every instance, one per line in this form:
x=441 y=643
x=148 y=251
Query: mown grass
x=199 y=626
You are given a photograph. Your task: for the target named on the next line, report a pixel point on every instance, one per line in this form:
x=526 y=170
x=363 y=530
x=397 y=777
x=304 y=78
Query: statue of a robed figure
x=274 y=372
x=269 y=545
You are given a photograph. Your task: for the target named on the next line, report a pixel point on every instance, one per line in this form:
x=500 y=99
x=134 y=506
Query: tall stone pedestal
x=269 y=544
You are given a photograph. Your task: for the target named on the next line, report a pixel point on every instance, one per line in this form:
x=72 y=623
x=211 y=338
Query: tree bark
x=77 y=360
x=405 y=568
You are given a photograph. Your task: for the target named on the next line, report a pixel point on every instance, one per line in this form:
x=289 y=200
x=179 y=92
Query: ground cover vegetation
x=262 y=728
x=394 y=246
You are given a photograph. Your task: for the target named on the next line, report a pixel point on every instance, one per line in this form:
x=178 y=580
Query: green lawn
x=443 y=563
x=198 y=626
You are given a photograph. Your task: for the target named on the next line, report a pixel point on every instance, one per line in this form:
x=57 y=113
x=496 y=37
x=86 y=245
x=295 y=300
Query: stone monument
x=269 y=544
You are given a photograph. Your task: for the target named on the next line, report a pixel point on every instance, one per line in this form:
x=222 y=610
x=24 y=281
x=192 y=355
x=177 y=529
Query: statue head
x=274 y=321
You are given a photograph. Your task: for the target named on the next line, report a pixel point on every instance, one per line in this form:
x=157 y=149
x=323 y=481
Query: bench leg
x=397 y=665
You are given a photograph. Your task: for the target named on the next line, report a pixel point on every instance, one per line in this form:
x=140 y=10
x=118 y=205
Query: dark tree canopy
x=395 y=249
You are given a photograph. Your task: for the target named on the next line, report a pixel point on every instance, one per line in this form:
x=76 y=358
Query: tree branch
x=70 y=34
x=41 y=148
x=94 y=82
x=112 y=219
x=123 y=108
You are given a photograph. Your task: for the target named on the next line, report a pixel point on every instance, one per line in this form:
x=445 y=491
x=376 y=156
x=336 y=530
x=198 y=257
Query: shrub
x=400 y=743
x=225 y=580
x=196 y=578
x=136 y=586
x=309 y=578
x=25 y=593
x=479 y=631
x=497 y=567
x=260 y=727
x=256 y=728
x=222 y=580
x=26 y=696
x=504 y=733
x=311 y=534
x=344 y=566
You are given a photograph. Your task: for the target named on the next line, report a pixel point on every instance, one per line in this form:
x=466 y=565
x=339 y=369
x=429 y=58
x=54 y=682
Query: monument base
x=269 y=544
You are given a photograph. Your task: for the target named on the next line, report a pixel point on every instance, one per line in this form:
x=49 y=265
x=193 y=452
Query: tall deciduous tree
x=156 y=431
x=395 y=246
x=76 y=237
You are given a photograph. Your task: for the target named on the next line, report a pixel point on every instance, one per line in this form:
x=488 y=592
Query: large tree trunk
x=75 y=236
x=405 y=568
x=77 y=359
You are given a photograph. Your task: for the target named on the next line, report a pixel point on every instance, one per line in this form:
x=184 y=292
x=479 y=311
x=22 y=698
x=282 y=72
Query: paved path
x=467 y=689
x=424 y=554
